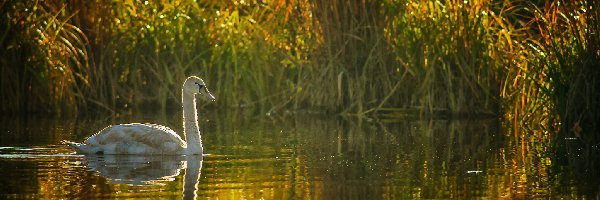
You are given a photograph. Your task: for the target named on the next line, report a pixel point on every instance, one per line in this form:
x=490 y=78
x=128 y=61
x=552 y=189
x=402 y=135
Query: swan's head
x=194 y=85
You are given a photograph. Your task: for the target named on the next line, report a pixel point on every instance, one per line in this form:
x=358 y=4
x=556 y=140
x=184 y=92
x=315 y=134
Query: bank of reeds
x=391 y=58
x=551 y=91
x=571 y=45
x=429 y=57
x=446 y=54
x=45 y=58
x=551 y=70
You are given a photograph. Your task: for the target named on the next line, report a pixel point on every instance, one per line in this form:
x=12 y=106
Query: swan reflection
x=148 y=170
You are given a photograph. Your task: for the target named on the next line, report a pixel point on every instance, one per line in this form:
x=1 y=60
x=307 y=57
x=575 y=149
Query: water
x=253 y=156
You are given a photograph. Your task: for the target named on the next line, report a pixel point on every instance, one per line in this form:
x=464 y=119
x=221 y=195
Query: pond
x=290 y=156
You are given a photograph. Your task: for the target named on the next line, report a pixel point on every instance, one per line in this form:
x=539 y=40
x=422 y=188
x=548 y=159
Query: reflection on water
x=254 y=156
x=143 y=170
x=148 y=170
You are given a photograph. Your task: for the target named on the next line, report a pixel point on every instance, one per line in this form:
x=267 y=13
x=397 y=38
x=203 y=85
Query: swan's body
x=152 y=139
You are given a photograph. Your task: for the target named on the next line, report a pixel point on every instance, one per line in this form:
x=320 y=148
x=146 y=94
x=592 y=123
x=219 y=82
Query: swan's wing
x=137 y=139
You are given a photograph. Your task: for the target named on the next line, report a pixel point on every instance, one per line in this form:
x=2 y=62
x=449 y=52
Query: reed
x=45 y=63
x=447 y=49
x=550 y=90
x=152 y=47
x=386 y=58
x=570 y=34
x=534 y=64
x=436 y=57
x=574 y=54
x=550 y=76
x=145 y=53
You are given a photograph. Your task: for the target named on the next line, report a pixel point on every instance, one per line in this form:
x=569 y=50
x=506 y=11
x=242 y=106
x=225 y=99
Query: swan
x=152 y=139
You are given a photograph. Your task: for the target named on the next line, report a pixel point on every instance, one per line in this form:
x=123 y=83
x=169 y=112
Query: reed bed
x=529 y=61
x=533 y=64
x=45 y=60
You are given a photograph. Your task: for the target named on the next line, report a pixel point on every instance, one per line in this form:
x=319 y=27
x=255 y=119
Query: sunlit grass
x=45 y=62
x=532 y=64
x=389 y=58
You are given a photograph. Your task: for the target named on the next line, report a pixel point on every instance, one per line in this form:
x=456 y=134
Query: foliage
x=45 y=60
x=388 y=58
x=533 y=63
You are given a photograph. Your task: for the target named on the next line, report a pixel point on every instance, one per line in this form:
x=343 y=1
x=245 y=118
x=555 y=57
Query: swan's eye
x=199 y=86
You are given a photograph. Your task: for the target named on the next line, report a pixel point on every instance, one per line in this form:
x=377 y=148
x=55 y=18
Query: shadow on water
x=582 y=159
x=290 y=156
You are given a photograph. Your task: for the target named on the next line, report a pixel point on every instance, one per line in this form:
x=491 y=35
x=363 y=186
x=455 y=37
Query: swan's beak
x=208 y=95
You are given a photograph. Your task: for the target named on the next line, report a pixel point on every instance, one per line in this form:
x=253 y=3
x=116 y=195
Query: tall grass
x=534 y=64
x=572 y=46
x=448 y=50
x=437 y=57
x=389 y=58
x=569 y=36
x=550 y=70
x=244 y=57
x=45 y=61
x=349 y=59
x=551 y=90
x=144 y=50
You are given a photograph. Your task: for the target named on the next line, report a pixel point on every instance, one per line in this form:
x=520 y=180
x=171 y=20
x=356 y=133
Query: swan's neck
x=190 y=125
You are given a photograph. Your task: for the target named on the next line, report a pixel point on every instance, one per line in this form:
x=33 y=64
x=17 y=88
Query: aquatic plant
x=45 y=58
x=384 y=58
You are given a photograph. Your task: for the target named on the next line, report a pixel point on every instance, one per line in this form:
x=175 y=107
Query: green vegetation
x=533 y=64
x=534 y=61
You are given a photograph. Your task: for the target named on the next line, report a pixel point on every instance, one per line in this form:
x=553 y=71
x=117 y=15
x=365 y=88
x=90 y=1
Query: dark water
x=253 y=156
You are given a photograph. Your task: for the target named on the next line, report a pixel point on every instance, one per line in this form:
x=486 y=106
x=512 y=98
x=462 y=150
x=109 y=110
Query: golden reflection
x=136 y=170
x=309 y=157
x=122 y=176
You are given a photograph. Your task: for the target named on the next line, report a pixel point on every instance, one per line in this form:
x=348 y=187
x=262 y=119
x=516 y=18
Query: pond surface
x=253 y=156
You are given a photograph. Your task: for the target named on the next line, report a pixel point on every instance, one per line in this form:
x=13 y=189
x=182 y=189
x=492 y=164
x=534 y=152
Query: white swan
x=152 y=139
